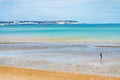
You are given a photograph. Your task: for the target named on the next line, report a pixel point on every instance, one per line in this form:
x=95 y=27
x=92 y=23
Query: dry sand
x=8 y=73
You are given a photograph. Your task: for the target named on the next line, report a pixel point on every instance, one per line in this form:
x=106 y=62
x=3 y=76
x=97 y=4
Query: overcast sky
x=85 y=11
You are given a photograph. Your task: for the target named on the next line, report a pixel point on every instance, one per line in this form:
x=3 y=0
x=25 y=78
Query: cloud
x=59 y=9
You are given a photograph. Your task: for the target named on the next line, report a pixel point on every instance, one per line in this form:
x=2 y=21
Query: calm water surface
x=106 y=32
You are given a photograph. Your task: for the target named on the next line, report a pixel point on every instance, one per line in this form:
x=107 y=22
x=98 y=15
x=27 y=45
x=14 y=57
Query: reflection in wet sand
x=65 y=57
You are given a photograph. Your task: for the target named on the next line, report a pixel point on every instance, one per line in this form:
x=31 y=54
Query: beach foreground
x=9 y=73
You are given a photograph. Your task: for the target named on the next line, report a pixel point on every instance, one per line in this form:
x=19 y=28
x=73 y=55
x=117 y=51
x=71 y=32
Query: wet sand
x=63 y=57
x=28 y=39
x=9 y=73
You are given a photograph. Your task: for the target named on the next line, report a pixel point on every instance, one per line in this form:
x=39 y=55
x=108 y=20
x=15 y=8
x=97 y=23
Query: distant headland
x=39 y=22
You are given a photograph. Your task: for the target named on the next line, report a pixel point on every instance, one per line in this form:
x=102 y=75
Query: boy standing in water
x=101 y=58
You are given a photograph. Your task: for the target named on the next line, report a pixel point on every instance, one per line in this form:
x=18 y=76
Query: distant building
x=60 y=22
x=67 y=22
x=38 y=22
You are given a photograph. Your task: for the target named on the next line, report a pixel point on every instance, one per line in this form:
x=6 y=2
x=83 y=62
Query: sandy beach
x=81 y=58
x=14 y=39
x=9 y=73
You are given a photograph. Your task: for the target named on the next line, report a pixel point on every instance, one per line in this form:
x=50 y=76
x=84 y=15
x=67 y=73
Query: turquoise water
x=76 y=31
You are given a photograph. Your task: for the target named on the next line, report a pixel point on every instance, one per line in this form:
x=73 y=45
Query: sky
x=84 y=11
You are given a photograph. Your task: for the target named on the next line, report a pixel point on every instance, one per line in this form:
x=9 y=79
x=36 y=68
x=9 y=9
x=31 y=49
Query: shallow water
x=66 y=57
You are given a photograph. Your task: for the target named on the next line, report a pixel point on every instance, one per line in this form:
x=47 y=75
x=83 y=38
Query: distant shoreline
x=64 y=24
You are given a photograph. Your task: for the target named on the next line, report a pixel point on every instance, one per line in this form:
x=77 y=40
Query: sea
x=72 y=48
x=63 y=32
